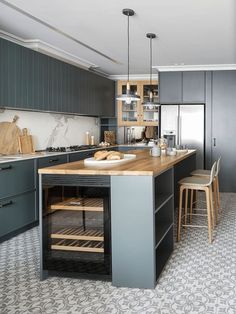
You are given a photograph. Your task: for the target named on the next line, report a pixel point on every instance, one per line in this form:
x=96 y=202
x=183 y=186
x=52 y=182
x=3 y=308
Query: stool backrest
x=218 y=166
x=213 y=172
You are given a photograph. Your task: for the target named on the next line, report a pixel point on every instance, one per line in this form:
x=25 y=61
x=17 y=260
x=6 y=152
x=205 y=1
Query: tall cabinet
x=135 y=114
x=216 y=89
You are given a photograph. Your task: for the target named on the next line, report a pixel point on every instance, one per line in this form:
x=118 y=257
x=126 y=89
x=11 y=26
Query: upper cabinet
x=135 y=114
x=34 y=81
x=194 y=87
x=182 y=87
x=170 y=87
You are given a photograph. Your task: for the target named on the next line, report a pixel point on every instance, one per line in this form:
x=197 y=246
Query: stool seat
x=195 y=181
x=201 y=172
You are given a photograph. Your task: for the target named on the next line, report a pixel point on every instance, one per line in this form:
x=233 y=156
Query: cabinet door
x=149 y=113
x=194 y=87
x=128 y=114
x=224 y=127
x=16 y=212
x=170 y=87
x=16 y=177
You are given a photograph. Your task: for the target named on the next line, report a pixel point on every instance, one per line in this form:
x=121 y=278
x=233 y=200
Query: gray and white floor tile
x=199 y=278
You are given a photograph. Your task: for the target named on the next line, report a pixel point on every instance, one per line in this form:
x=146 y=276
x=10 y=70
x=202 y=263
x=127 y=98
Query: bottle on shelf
x=133 y=141
x=92 y=140
x=128 y=136
x=87 y=138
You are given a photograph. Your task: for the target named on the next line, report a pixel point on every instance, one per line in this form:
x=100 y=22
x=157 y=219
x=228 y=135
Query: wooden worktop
x=142 y=165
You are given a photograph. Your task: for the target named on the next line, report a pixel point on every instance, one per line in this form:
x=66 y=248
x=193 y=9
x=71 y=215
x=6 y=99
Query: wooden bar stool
x=206 y=174
x=196 y=183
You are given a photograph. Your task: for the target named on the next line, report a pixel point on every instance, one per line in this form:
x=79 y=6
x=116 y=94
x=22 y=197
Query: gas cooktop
x=70 y=148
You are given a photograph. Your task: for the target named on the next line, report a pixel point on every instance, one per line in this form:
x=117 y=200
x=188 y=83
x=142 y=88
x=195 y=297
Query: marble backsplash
x=52 y=129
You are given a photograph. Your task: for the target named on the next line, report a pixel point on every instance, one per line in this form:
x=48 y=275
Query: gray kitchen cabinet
x=17 y=197
x=16 y=177
x=182 y=87
x=224 y=126
x=194 y=87
x=81 y=155
x=16 y=213
x=34 y=81
x=52 y=161
x=170 y=87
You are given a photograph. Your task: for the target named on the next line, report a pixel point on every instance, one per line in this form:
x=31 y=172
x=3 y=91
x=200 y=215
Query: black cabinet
x=224 y=127
x=170 y=87
x=34 y=81
x=194 y=87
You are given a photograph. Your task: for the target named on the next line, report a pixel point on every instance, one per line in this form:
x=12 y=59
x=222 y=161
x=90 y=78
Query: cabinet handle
x=53 y=160
x=5 y=168
x=6 y=204
x=214 y=141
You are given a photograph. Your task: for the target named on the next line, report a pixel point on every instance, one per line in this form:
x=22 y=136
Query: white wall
x=49 y=129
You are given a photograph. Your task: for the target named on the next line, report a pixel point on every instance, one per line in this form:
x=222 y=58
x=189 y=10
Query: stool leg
x=191 y=206
x=213 y=209
x=209 y=214
x=180 y=212
x=186 y=207
x=218 y=194
x=215 y=200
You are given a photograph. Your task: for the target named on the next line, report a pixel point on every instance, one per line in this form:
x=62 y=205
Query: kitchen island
x=125 y=229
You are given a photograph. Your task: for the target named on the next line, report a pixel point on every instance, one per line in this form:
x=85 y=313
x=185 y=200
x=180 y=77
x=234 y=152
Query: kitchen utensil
x=26 y=142
x=110 y=137
x=9 y=133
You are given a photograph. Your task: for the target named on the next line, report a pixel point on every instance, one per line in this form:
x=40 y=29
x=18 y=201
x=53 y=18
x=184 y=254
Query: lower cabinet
x=16 y=213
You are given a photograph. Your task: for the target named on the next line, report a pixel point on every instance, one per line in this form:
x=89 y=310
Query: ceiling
x=190 y=32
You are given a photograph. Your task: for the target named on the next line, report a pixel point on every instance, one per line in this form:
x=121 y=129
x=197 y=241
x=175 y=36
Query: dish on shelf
x=92 y=161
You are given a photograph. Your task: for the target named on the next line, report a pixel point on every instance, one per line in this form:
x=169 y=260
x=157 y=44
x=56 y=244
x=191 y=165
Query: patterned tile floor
x=199 y=278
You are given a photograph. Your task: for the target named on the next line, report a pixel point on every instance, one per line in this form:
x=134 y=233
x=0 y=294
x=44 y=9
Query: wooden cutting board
x=9 y=134
x=26 y=142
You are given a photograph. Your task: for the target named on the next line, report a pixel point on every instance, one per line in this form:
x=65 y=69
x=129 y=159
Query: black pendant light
x=150 y=101
x=128 y=97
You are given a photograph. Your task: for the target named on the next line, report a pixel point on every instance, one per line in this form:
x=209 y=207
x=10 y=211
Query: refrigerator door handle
x=177 y=135
x=180 y=131
x=214 y=141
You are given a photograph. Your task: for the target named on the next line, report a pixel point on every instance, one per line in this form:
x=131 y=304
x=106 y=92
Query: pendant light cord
x=128 y=47
x=150 y=62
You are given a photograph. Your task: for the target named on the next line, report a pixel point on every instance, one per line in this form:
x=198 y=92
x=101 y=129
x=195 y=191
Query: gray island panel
x=132 y=225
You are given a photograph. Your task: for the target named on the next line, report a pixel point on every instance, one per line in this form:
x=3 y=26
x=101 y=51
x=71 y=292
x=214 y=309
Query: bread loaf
x=109 y=155
x=115 y=156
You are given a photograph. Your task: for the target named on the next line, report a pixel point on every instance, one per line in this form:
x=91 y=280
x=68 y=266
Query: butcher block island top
x=142 y=165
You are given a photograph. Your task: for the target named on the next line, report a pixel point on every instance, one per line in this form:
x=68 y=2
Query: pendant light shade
x=150 y=101
x=129 y=96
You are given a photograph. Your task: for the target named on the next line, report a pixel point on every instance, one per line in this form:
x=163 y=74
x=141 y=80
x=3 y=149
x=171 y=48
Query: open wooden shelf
x=73 y=233
x=78 y=245
x=87 y=204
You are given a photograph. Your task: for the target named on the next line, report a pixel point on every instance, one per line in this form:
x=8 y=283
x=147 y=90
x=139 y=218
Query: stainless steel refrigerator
x=185 y=125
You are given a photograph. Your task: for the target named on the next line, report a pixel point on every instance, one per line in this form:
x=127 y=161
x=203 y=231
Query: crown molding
x=133 y=77
x=41 y=46
x=206 y=67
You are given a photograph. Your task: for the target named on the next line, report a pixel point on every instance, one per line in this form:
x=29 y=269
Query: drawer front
x=16 y=212
x=51 y=161
x=16 y=177
x=81 y=155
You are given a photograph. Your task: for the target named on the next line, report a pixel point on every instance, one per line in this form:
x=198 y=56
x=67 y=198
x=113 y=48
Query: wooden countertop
x=142 y=165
